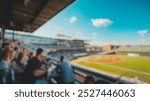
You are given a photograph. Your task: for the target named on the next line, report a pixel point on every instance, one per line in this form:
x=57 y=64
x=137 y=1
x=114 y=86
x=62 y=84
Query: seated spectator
x=33 y=71
x=66 y=72
x=89 y=80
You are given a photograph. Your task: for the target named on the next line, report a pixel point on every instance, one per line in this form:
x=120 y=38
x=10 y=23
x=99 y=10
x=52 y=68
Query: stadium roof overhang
x=29 y=15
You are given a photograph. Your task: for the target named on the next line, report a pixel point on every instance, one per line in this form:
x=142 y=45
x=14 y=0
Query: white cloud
x=73 y=19
x=101 y=22
x=142 y=32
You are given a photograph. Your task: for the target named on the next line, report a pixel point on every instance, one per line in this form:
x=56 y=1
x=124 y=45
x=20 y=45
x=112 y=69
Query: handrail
x=99 y=76
x=108 y=79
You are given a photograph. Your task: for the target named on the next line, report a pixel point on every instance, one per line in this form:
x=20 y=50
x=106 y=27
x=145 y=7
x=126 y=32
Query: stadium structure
x=28 y=15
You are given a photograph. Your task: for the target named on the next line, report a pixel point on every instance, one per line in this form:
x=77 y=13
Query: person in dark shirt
x=33 y=71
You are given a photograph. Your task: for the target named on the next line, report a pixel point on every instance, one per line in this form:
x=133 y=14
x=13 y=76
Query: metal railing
x=99 y=77
x=82 y=73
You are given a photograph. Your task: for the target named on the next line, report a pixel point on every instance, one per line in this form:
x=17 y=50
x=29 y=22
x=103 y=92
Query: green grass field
x=121 y=65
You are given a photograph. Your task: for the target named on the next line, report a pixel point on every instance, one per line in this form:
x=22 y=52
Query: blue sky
x=102 y=22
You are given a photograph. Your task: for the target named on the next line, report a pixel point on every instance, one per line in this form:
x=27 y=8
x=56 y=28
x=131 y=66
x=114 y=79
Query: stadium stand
x=16 y=49
x=81 y=75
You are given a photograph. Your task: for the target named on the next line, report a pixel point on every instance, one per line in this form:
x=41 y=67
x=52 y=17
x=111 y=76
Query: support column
x=13 y=36
x=3 y=31
x=0 y=33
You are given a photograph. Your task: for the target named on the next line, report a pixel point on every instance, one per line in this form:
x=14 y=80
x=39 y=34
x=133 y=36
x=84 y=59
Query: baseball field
x=130 y=66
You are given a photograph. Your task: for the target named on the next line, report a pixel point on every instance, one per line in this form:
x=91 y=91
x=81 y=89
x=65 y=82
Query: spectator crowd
x=26 y=66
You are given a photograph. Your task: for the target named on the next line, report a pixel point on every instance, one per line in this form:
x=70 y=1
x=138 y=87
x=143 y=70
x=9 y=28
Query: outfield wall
x=126 y=53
